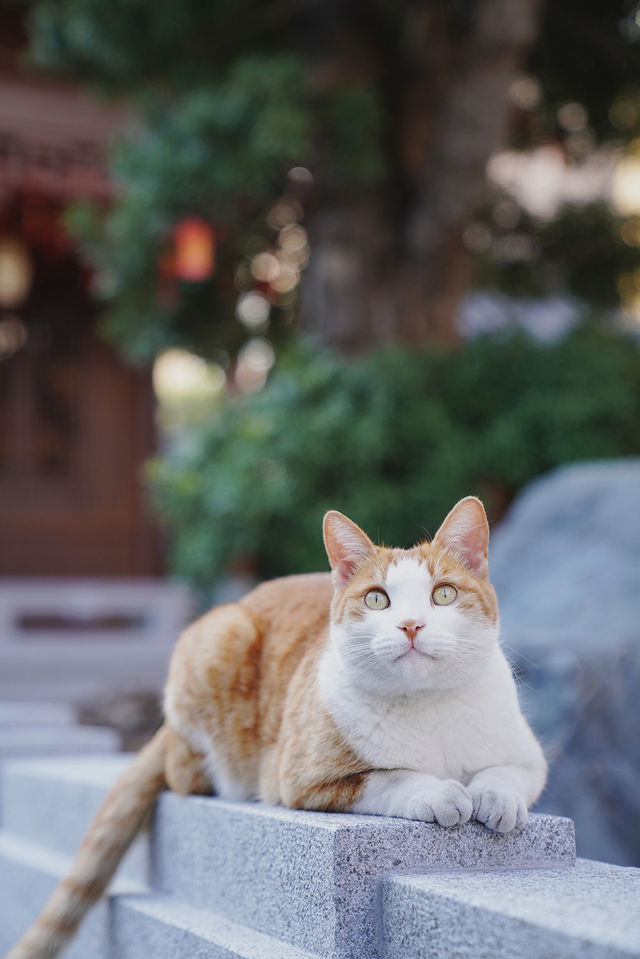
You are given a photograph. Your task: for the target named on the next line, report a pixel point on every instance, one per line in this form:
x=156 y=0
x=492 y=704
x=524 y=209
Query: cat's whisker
x=519 y=654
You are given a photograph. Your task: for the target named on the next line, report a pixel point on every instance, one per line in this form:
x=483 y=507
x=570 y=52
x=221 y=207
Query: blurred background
x=261 y=259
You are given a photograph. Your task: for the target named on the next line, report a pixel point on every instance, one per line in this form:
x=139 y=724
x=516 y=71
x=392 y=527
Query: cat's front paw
x=448 y=804
x=500 y=810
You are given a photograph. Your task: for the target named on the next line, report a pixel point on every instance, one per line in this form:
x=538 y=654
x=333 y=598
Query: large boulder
x=565 y=564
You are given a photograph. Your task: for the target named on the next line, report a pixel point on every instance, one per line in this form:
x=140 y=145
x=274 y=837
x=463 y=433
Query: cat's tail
x=108 y=838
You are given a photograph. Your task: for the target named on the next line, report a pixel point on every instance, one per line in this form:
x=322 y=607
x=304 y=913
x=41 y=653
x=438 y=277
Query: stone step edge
x=155 y=911
x=37 y=713
x=128 y=898
x=52 y=802
x=57 y=864
x=99 y=771
x=312 y=878
x=592 y=904
x=93 y=776
x=49 y=735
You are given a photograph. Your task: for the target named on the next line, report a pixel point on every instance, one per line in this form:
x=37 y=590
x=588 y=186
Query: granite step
x=161 y=927
x=75 y=639
x=591 y=911
x=56 y=740
x=28 y=875
x=312 y=879
x=52 y=802
x=249 y=881
x=308 y=879
x=129 y=923
x=37 y=713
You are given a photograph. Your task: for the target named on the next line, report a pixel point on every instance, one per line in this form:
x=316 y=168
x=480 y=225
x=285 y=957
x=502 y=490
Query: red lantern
x=194 y=250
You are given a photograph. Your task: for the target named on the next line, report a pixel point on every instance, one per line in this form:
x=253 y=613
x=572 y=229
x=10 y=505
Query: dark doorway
x=75 y=424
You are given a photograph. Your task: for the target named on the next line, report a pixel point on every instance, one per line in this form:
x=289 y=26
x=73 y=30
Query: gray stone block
x=52 y=802
x=35 y=740
x=165 y=929
x=152 y=608
x=587 y=912
x=83 y=659
x=564 y=562
x=28 y=714
x=311 y=879
x=28 y=875
x=580 y=525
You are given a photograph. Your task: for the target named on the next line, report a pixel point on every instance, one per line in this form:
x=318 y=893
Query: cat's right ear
x=346 y=546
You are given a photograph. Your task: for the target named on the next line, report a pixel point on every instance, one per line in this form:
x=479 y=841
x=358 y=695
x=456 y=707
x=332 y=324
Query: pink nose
x=410 y=627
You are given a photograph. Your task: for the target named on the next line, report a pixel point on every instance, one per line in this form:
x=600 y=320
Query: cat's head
x=415 y=619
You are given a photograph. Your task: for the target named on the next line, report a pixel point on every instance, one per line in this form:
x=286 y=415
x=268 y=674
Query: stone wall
x=219 y=880
x=565 y=566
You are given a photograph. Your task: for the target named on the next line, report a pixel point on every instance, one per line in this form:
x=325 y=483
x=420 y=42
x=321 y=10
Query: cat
x=378 y=688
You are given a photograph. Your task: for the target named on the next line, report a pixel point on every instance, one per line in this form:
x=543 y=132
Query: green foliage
x=123 y=45
x=233 y=93
x=393 y=441
x=352 y=126
x=221 y=151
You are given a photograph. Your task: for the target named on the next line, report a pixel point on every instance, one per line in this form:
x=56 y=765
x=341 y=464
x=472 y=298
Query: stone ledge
x=311 y=879
x=52 y=802
x=37 y=740
x=27 y=714
x=28 y=876
x=241 y=880
x=159 y=926
x=589 y=911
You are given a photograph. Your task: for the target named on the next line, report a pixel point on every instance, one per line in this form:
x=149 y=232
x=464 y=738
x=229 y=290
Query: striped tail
x=108 y=838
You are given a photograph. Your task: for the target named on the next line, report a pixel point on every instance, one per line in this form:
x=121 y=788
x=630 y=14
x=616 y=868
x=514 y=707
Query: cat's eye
x=376 y=599
x=444 y=595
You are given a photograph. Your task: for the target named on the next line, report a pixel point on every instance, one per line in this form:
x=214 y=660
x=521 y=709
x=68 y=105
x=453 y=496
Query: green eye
x=376 y=599
x=444 y=595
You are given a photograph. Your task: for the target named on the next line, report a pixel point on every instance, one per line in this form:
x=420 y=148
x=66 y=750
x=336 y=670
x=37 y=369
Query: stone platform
x=220 y=880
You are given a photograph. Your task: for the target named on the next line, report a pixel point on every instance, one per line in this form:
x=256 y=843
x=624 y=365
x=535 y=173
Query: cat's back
x=269 y=629
x=291 y=608
x=231 y=670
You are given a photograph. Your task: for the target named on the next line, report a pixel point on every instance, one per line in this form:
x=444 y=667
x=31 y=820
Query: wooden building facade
x=76 y=425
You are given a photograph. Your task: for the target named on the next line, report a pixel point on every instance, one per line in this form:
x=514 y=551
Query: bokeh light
x=16 y=272
x=13 y=336
x=255 y=360
x=179 y=376
x=253 y=309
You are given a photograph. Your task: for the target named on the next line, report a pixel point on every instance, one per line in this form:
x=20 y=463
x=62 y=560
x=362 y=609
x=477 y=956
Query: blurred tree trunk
x=397 y=268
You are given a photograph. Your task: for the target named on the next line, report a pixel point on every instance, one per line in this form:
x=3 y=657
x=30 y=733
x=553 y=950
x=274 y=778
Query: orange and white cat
x=380 y=688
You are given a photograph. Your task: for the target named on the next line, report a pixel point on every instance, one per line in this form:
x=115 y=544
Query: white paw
x=448 y=804
x=500 y=810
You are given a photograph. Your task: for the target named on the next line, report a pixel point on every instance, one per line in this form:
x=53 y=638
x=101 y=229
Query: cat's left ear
x=465 y=532
x=346 y=545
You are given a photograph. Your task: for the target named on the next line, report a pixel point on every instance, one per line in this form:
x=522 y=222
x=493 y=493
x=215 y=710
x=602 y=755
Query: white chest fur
x=447 y=733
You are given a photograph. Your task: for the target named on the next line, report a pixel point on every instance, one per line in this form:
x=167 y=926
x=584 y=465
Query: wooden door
x=76 y=426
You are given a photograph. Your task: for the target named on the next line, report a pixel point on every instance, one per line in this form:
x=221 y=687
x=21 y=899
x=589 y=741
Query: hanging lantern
x=194 y=258
x=16 y=273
